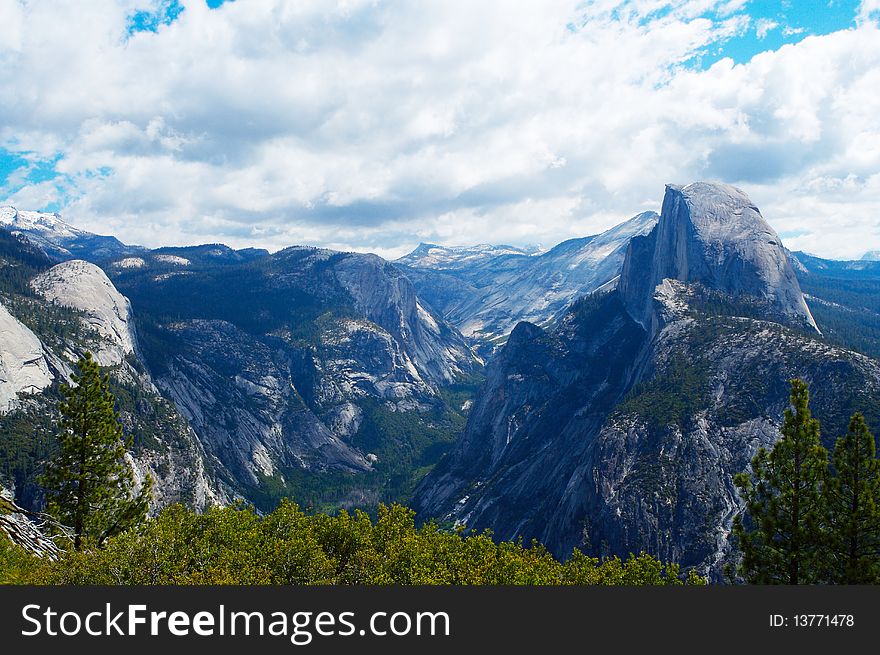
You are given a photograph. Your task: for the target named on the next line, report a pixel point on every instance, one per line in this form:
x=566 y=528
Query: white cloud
x=764 y=26
x=375 y=124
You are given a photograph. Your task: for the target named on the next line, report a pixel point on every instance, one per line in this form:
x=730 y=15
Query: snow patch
x=130 y=262
x=174 y=259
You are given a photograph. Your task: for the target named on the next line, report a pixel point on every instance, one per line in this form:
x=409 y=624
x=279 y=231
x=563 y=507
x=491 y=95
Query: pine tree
x=853 y=499
x=780 y=538
x=89 y=483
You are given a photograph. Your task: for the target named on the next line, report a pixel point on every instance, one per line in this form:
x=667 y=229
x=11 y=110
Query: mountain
x=84 y=287
x=485 y=292
x=844 y=297
x=619 y=428
x=871 y=256
x=60 y=240
x=51 y=315
x=306 y=372
x=713 y=235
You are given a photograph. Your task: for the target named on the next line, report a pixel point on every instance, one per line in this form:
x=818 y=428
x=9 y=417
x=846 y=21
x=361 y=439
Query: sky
x=373 y=125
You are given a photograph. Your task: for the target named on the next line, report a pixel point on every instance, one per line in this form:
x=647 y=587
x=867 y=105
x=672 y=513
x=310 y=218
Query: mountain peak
x=713 y=234
x=60 y=240
x=45 y=222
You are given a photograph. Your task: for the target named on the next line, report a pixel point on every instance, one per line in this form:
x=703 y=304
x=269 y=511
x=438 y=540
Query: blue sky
x=778 y=22
x=376 y=124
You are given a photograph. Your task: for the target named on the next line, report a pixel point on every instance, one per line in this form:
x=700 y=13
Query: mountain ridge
x=620 y=428
x=486 y=298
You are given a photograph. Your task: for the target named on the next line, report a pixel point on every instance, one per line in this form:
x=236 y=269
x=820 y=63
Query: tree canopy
x=236 y=545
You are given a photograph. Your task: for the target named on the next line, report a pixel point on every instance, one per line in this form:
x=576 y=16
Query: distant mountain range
x=628 y=375
x=486 y=290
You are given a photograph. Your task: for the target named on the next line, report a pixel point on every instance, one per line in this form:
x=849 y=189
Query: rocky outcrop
x=85 y=287
x=713 y=234
x=74 y=308
x=458 y=258
x=387 y=298
x=24 y=368
x=239 y=396
x=250 y=371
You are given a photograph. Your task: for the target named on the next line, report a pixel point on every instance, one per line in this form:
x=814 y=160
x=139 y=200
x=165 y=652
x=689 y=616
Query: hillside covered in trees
x=288 y=546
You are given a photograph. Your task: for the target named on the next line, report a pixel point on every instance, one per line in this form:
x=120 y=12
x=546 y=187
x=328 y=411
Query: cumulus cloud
x=372 y=125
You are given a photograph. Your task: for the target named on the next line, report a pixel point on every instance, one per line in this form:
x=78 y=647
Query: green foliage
x=237 y=546
x=57 y=326
x=29 y=433
x=320 y=490
x=669 y=398
x=89 y=482
x=705 y=301
x=17 y=566
x=853 y=499
x=27 y=439
x=806 y=522
x=679 y=387
x=783 y=501
x=406 y=441
x=253 y=295
x=150 y=419
x=290 y=303
x=19 y=262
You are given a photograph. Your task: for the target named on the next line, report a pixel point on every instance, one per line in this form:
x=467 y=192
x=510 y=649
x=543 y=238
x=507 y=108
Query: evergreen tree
x=780 y=539
x=853 y=499
x=89 y=483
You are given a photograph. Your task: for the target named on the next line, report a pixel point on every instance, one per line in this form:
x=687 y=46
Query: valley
x=597 y=395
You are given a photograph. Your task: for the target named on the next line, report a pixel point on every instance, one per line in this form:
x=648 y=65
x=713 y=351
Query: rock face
x=251 y=373
x=285 y=364
x=620 y=428
x=238 y=395
x=85 y=287
x=23 y=365
x=485 y=291
x=388 y=299
x=713 y=234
